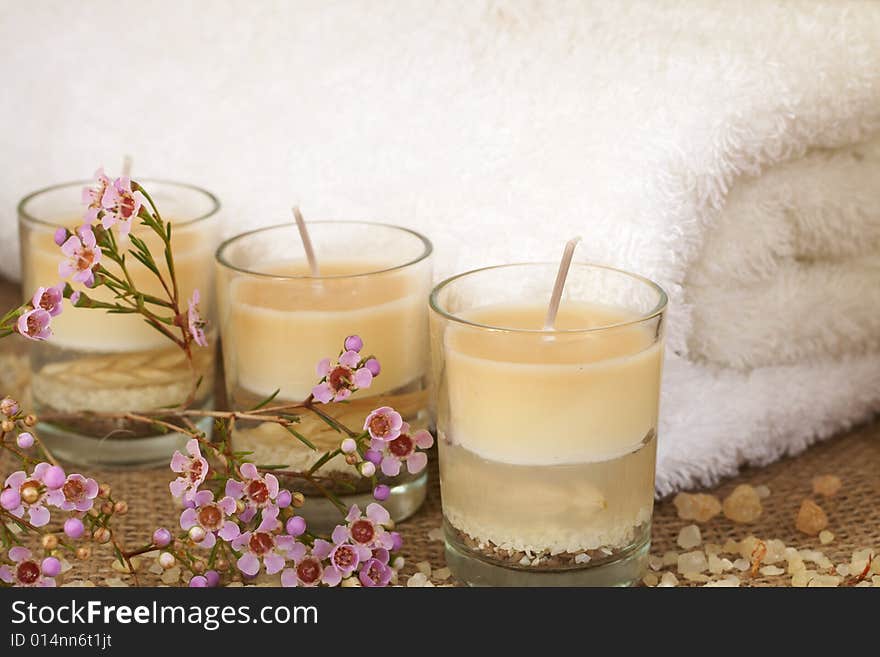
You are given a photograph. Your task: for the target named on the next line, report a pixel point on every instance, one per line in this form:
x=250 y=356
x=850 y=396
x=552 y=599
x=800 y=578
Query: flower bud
x=368 y=469
x=74 y=528
x=197 y=534
x=50 y=541
x=30 y=420
x=161 y=537
x=9 y=407
x=83 y=553
x=353 y=343
x=54 y=477
x=351 y=582
x=101 y=535
x=297 y=500
x=349 y=446
x=25 y=440
x=121 y=507
x=373 y=365
x=106 y=508
x=351 y=459
x=51 y=567
x=10 y=499
x=199 y=567
x=166 y=560
x=104 y=490
x=7 y=426
x=61 y=236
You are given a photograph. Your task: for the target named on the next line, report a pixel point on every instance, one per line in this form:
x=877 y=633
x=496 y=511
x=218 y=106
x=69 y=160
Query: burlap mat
x=854 y=513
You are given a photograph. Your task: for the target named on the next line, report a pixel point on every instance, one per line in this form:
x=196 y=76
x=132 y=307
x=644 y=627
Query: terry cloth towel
x=724 y=149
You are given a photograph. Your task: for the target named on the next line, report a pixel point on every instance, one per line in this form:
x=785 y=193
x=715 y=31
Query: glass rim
x=221 y=259
x=656 y=311
x=24 y=214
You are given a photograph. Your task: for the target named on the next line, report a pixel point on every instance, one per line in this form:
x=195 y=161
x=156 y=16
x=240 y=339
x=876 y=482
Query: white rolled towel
x=723 y=149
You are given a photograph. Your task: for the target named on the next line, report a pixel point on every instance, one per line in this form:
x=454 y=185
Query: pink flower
x=211 y=516
x=92 y=196
x=27 y=572
x=338 y=380
x=192 y=469
x=121 y=205
x=34 y=324
x=83 y=254
x=259 y=492
x=344 y=557
x=76 y=494
x=30 y=493
x=403 y=450
x=307 y=569
x=265 y=545
x=368 y=530
x=375 y=573
x=384 y=424
x=49 y=299
x=195 y=321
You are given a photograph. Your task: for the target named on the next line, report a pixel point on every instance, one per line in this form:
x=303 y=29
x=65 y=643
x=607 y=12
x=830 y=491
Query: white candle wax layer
x=276 y=330
x=531 y=399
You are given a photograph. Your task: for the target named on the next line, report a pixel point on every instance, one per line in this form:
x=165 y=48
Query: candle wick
x=306 y=240
x=561 y=276
x=126 y=166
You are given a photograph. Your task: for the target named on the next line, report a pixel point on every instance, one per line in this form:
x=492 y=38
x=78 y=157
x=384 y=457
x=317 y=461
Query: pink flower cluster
x=112 y=202
x=45 y=304
x=247 y=519
x=47 y=486
x=392 y=443
x=349 y=373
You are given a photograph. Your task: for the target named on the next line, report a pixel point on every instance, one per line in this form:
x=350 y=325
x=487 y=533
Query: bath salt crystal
x=712 y=548
x=742 y=505
x=811 y=519
x=771 y=571
x=875 y=581
x=424 y=567
x=115 y=583
x=824 y=581
x=689 y=537
x=156 y=569
x=775 y=551
x=859 y=561
x=826 y=485
x=583 y=557
x=692 y=562
x=701 y=507
x=742 y=564
x=670 y=558
x=696 y=577
x=825 y=537
x=650 y=579
x=442 y=574
x=417 y=580
x=717 y=565
x=525 y=561
x=171 y=576
x=796 y=566
x=747 y=546
x=79 y=584
x=654 y=563
x=801 y=578
x=668 y=579
x=726 y=582
x=436 y=534
x=730 y=546
x=842 y=569
x=763 y=491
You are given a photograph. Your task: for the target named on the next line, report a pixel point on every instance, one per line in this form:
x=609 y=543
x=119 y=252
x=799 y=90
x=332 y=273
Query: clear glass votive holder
x=277 y=321
x=547 y=437
x=111 y=364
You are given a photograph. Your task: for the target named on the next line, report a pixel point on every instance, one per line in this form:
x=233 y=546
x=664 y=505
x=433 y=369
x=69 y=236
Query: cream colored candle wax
x=277 y=329
x=84 y=329
x=530 y=399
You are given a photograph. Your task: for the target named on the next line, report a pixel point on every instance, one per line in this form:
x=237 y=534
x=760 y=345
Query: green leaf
x=266 y=401
x=305 y=441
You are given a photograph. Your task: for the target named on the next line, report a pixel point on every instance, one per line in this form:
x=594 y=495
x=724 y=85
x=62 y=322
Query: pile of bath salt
x=736 y=563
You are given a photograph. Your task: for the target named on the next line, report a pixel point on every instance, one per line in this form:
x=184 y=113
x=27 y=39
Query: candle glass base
x=626 y=567
x=270 y=444
x=65 y=382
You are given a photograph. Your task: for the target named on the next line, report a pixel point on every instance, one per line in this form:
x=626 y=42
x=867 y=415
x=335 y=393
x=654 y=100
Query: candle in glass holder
x=547 y=435
x=278 y=320
x=104 y=362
